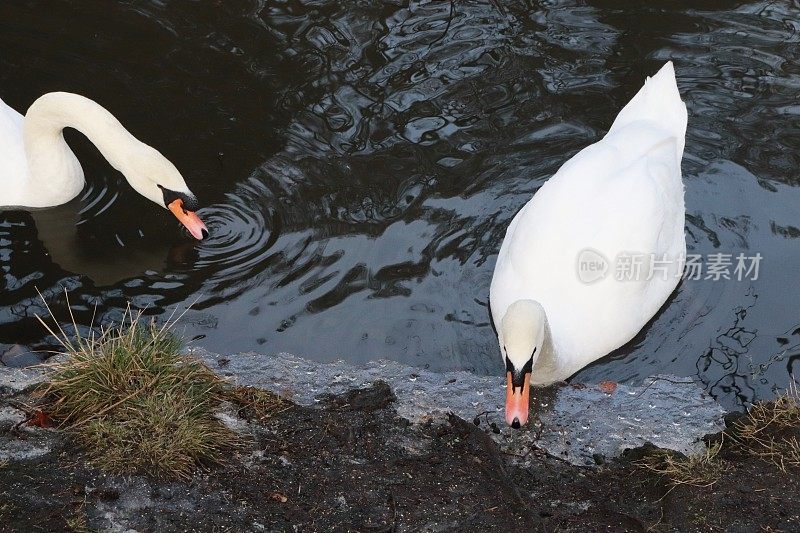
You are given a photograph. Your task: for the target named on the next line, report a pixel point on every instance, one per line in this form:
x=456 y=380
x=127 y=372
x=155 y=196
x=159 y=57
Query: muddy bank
x=574 y=422
x=351 y=462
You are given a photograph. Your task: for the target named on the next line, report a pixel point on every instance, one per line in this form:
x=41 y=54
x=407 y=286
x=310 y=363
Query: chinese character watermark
x=593 y=266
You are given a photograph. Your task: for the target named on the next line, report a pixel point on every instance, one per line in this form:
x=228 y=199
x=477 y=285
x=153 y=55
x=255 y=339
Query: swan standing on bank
x=616 y=203
x=38 y=169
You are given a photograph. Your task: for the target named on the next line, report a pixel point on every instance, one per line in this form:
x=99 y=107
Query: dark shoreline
x=352 y=464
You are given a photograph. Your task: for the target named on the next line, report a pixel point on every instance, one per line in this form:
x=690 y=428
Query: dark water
x=359 y=166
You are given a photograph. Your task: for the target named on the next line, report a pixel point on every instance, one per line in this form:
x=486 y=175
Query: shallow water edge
x=574 y=422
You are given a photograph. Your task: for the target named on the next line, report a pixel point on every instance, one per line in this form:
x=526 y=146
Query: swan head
x=522 y=331
x=153 y=176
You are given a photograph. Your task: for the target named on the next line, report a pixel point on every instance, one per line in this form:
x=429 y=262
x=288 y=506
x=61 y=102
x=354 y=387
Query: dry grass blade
x=698 y=470
x=771 y=430
x=257 y=403
x=78 y=523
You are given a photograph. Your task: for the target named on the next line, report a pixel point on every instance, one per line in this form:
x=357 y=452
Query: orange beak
x=517 y=401
x=189 y=219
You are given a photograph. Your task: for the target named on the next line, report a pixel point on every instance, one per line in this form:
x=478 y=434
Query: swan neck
x=55 y=175
x=547 y=362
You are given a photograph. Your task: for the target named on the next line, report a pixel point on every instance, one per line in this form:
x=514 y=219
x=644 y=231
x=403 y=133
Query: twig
x=655 y=379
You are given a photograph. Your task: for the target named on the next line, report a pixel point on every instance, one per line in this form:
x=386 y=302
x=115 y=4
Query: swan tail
x=658 y=101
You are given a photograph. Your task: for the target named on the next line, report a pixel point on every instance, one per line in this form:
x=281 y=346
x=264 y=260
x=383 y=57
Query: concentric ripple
x=239 y=248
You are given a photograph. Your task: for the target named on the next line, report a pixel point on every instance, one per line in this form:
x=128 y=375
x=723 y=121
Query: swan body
x=619 y=198
x=38 y=169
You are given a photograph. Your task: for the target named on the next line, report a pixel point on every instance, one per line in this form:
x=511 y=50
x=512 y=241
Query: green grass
x=137 y=405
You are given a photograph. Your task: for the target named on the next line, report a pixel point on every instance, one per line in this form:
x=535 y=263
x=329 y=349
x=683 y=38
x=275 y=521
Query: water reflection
x=360 y=163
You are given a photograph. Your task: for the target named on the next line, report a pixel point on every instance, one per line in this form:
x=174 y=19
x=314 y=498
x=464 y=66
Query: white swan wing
x=13 y=165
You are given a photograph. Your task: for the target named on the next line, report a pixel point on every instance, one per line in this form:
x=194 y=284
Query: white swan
x=616 y=206
x=38 y=169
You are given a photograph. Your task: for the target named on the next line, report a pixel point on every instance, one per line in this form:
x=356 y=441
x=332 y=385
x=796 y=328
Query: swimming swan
x=38 y=169
x=589 y=260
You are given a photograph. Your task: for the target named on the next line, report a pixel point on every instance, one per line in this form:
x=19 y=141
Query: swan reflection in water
x=105 y=259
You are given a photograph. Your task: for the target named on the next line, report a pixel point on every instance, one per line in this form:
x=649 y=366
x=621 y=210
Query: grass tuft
x=702 y=469
x=771 y=430
x=137 y=405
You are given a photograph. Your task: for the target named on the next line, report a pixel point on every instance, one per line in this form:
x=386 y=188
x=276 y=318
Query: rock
x=36 y=442
x=23 y=450
x=20 y=356
x=10 y=417
x=16 y=380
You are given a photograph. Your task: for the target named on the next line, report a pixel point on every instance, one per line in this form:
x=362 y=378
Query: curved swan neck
x=55 y=175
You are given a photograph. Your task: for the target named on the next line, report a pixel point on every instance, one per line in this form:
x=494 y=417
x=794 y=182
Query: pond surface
x=359 y=166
